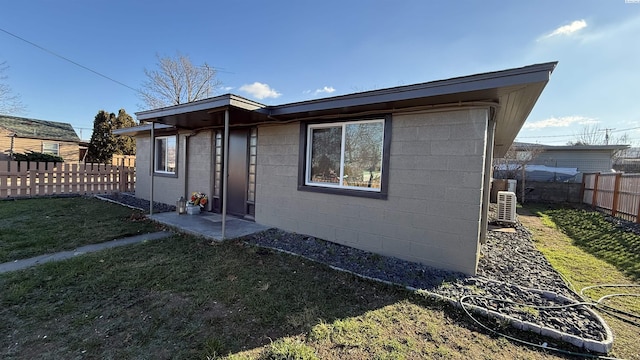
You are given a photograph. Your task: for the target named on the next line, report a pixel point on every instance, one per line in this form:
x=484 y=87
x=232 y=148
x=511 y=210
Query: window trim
x=155 y=160
x=303 y=157
x=57 y=152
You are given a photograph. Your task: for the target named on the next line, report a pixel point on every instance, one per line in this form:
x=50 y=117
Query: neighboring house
x=403 y=171
x=628 y=160
x=19 y=135
x=568 y=163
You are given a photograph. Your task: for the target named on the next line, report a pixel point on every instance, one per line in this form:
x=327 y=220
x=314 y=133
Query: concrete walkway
x=25 y=263
x=208 y=225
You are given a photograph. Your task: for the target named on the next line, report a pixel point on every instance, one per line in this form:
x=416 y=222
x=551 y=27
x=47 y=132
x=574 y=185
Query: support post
x=225 y=171
x=152 y=165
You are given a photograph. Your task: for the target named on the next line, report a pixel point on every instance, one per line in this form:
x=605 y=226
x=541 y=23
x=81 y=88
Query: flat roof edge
x=205 y=104
x=140 y=128
x=536 y=73
x=524 y=75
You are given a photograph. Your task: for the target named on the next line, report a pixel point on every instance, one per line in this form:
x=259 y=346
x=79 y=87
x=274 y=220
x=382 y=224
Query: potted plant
x=197 y=201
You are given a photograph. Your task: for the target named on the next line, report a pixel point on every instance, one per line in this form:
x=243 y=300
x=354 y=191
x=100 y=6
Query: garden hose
x=528 y=343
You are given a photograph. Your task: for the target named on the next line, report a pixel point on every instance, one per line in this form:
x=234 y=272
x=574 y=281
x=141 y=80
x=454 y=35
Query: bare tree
x=514 y=163
x=10 y=103
x=510 y=166
x=177 y=81
x=594 y=135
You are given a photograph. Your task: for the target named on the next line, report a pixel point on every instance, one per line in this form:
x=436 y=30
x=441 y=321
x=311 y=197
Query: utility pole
x=606 y=136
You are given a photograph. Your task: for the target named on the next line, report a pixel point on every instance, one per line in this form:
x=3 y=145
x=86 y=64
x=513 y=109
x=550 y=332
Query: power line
x=610 y=131
x=69 y=60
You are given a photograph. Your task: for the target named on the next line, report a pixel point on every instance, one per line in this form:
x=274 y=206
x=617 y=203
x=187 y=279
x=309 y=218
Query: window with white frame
x=346 y=155
x=51 y=148
x=165 y=154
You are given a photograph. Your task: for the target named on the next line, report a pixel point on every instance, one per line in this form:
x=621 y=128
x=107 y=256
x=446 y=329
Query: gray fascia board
x=140 y=129
x=221 y=101
x=494 y=80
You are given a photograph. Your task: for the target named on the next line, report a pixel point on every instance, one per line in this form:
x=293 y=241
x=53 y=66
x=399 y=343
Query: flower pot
x=193 y=209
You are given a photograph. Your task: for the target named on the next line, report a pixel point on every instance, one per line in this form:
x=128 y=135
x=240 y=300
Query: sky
x=277 y=52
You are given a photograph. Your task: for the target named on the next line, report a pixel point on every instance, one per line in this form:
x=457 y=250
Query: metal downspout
x=225 y=171
x=488 y=166
x=152 y=165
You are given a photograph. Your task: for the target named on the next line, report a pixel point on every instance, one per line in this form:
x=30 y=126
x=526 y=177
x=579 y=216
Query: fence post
x=122 y=178
x=32 y=182
x=616 y=194
x=595 y=191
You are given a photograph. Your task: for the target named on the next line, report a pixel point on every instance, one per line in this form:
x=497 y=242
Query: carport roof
x=512 y=93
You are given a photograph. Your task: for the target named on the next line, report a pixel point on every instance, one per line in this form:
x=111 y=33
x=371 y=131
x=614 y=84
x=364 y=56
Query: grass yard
x=183 y=298
x=34 y=227
x=587 y=250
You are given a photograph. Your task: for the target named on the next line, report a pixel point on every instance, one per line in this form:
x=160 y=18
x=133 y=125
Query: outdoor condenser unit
x=506 y=206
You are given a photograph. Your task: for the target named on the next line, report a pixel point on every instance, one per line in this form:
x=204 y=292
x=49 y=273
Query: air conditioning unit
x=506 y=206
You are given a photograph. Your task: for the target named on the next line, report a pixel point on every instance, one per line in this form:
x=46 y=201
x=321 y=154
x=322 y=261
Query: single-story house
x=19 y=135
x=403 y=171
x=583 y=159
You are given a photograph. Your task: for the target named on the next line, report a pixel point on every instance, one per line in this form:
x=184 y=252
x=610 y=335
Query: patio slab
x=208 y=225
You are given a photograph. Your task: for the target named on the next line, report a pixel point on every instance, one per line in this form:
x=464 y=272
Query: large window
x=346 y=156
x=51 y=148
x=166 y=154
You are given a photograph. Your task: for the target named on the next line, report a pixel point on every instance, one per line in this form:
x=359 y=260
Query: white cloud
x=227 y=88
x=564 y=121
x=575 y=26
x=260 y=91
x=324 y=90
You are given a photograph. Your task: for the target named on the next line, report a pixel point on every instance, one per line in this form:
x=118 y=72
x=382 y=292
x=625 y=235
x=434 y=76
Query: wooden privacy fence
x=31 y=179
x=617 y=194
x=123 y=160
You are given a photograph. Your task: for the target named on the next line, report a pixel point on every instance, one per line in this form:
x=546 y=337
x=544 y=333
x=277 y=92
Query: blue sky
x=284 y=51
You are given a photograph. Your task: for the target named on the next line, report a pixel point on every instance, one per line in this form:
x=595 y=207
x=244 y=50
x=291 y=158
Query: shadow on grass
x=591 y=232
x=184 y=298
x=175 y=298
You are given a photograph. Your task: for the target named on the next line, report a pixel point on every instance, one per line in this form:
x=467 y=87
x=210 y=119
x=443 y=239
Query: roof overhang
x=512 y=93
x=141 y=129
x=208 y=113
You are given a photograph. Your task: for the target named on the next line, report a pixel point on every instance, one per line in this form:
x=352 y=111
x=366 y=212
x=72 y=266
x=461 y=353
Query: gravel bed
x=130 y=200
x=509 y=266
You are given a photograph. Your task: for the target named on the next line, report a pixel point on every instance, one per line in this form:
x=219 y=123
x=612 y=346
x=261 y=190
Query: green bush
x=37 y=156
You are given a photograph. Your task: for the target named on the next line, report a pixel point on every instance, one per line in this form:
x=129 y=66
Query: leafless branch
x=10 y=102
x=177 y=81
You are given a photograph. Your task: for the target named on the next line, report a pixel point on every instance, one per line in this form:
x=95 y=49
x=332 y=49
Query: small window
x=51 y=149
x=166 y=154
x=347 y=157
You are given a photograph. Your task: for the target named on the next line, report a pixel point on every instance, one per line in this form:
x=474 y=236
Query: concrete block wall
x=200 y=164
x=168 y=189
x=432 y=213
x=143 y=172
